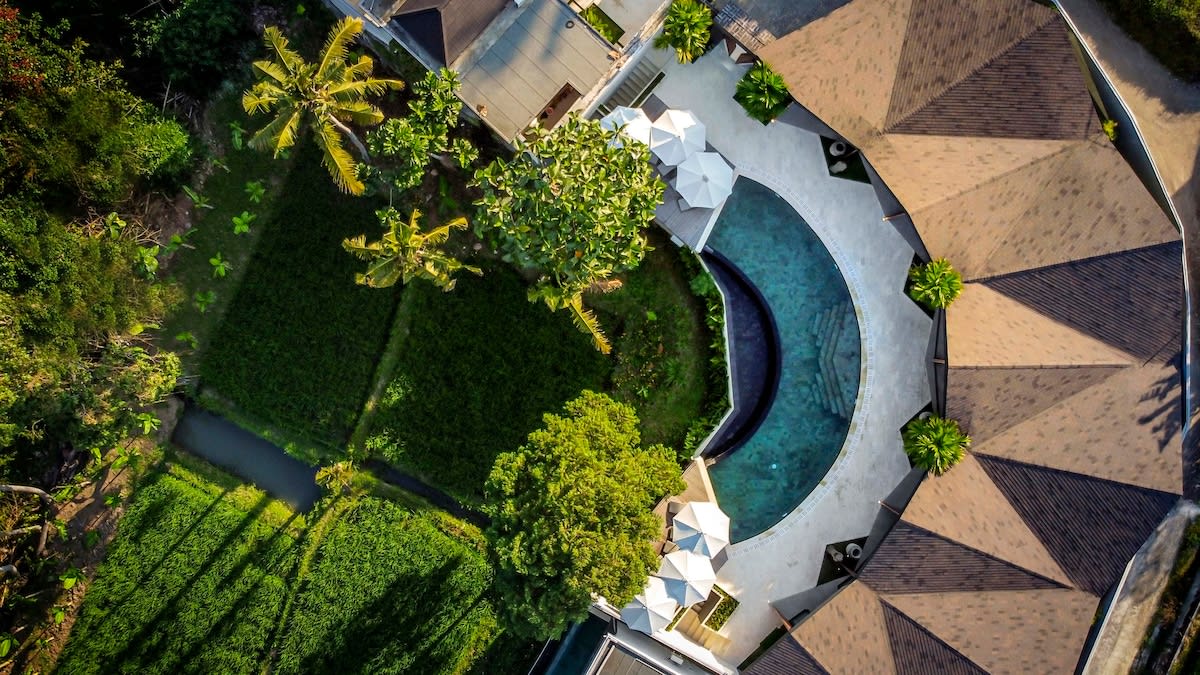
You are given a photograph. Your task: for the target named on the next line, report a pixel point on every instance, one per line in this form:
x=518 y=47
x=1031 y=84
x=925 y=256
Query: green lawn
x=480 y=366
x=477 y=370
x=299 y=343
x=209 y=576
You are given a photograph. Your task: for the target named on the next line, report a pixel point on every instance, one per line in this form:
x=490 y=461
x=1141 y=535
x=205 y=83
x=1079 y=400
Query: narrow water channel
x=233 y=448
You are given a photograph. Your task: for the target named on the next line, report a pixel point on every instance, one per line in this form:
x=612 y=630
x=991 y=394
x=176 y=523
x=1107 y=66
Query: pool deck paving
x=894 y=385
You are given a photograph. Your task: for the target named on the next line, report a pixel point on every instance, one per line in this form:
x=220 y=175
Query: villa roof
x=1063 y=351
x=546 y=48
x=445 y=28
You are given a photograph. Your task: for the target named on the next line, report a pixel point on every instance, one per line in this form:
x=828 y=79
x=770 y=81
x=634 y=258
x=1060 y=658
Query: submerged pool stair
x=836 y=333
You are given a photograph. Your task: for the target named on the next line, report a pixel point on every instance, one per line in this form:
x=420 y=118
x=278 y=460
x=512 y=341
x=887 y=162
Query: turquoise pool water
x=775 y=469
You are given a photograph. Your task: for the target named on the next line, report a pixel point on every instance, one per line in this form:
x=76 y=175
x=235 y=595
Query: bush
x=763 y=93
x=719 y=616
x=687 y=29
x=934 y=444
x=1168 y=29
x=603 y=23
x=935 y=284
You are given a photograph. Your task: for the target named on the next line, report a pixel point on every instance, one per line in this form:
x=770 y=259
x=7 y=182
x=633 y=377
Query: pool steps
x=829 y=328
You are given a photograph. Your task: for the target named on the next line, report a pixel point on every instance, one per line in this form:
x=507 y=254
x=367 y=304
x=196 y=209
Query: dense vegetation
x=571 y=515
x=212 y=578
x=1168 y=29
x=298 y=344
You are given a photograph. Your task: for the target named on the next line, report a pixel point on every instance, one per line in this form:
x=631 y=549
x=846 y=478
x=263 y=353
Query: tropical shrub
x=686 y=29
x=935 y=284
x=603 y=23
x=763 y=93
x=724 y=609
x=573 y=207
x=935 y=443
x=571 y=515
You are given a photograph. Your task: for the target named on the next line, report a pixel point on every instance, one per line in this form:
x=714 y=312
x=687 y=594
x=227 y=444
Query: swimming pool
x=762 y=480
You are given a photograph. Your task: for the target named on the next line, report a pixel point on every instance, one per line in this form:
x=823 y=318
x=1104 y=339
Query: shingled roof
x=1063 y=352
x=445 y=28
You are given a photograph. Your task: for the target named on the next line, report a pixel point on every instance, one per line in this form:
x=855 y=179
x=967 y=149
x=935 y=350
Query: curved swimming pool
x=762 y=480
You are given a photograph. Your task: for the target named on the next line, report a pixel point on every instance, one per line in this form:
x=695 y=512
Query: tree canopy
x=687 y=29
x=406 y=253
x=571 y=514
x=573 y=205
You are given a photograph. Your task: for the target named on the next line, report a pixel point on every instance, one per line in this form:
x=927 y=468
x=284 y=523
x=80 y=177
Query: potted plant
x=935 y=284
x=934 y=443
x=687 y=29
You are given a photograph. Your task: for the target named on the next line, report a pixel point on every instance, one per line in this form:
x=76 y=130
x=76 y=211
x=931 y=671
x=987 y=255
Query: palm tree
x=560 y=297
x=934 y=443
x=337 y=478
x=763 y=93
x=687 y=29
x=405 y=253
x=320 y=96
x=935 y=284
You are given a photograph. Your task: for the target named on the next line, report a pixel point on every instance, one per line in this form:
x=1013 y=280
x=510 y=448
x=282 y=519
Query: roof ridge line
x=1057 y=265
x=1042 y=467
x=921 y=627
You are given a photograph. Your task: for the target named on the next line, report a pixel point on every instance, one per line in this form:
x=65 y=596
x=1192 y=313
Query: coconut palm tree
x=322 y=97
x=934 y=443
x=571 y=299
x=687 y=29
x=405 y=253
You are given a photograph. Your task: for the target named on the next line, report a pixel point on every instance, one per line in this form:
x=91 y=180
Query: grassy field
x=477 y=370
x=298 y=345
x=480 y=366
x=209 y=576
x=194 y=582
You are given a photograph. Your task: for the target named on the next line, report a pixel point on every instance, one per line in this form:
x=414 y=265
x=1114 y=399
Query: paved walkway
x=786 y=559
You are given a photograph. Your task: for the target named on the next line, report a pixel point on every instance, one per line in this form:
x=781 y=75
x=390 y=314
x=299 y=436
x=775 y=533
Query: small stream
x=233 y=448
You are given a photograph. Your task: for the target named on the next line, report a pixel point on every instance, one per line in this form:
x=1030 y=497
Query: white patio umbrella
x=652 y=610
x=704 y=180
x=675 y=135
x=701 y=527
x=688 y=576
x=632 y=123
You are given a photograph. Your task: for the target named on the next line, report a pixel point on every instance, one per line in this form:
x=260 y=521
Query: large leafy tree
x=402 y=147
x=572 y=205
x=687 y=29
x=406 y=253
x=571 y=515
x=322 y=97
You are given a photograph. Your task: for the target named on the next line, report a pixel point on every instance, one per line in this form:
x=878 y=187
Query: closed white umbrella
x=631 y=122
x=652 y=610
x=688 y=576
x=701 y=527
x=704 y=180
x=675 y=135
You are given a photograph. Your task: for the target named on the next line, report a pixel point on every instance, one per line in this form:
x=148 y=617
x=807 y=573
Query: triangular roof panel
x=848 y=634
x=948 y=40
x=1091 y=526
x=965 y=506
x=1131 y=300
x=1125 y=429
x=986 y=328
x=1024 y=92
x=1007 y=631
x=785 y=657
x=986 y=401
x=917 y=651
x=914 y=560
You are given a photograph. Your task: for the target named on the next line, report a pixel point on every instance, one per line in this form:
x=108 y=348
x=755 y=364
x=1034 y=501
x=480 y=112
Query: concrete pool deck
x=786 y=559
